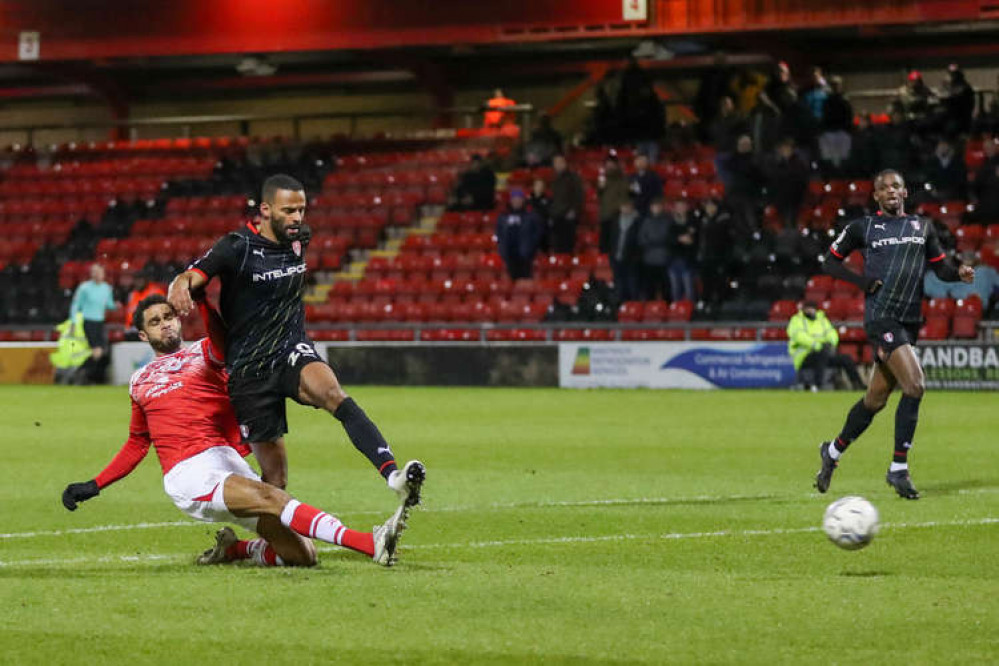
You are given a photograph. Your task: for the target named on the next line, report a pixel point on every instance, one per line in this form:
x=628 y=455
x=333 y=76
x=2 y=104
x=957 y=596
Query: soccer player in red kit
x=181 y=407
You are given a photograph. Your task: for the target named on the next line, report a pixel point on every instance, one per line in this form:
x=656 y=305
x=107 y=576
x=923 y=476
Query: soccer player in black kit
x=897 y=250
x=269 y=357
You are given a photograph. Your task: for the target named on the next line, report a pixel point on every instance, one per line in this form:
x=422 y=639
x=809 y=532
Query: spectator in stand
x=566 y=206
x=645 y=184
x=814 y=99
x=653 y=245
x=93 y=299
x=540 y=204
x=682 y=252
x=497 y=115
x=612 y=191
x=476 y=188
x=764 y=125
x=837 y=124
x=144 y=287
x=632 y=91
x=714 y=85
x=518 y=231
x=864 y=150
x=602 y=125
x=985 y=284
x=726 y=129
x=985 y=188
x=787 y=181
x=544 y=144
x=812 y=342
x=624 y=254
x=915 y=100
x=715 y=252
x=780 y=90
x=958 y=101
x=947 y=172
x=744 y=196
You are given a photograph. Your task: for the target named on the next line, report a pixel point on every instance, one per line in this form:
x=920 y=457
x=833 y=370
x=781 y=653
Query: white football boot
x=386 y=537
x=407 y=483
x=224 y=538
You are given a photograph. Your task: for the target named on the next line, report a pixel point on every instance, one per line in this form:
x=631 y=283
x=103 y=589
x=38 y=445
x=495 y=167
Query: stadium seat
x=935 y=328
x=630 y=312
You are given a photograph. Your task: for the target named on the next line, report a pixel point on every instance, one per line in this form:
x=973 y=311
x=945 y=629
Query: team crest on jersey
x=889 y=337
x=244 y=430
x=915 y=224
x=296 y=247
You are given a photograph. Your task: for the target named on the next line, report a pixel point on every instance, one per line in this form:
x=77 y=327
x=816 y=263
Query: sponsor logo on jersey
x=918 y=240
x=279 y=273
x=296 y=247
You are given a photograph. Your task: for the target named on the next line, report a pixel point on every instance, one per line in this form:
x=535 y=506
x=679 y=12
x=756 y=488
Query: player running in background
x=180 y=406
x=269 y=356
x=897 y=249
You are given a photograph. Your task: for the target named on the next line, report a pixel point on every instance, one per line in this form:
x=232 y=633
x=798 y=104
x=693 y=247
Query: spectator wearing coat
x=653 y=244
x=518 y=231
x=567 y=206
x=625 y=260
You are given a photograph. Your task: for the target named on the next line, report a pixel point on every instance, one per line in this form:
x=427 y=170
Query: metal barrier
x=469 y=117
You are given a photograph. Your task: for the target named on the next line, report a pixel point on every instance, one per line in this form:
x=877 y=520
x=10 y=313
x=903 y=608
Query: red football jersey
x=180 y=405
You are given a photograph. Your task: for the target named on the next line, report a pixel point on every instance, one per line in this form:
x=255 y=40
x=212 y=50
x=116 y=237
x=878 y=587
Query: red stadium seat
x=630 y=311
x=782 y=310
x=680 y=311
x=935 y=328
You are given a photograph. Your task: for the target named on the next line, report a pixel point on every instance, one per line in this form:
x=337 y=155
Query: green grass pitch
x=559 y=527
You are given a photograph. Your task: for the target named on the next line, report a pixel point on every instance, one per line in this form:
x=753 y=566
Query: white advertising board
x=689 y=365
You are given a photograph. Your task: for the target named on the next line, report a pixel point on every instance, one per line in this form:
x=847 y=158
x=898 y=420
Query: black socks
x=365 y=436
x=906 y=418
x=856 y=423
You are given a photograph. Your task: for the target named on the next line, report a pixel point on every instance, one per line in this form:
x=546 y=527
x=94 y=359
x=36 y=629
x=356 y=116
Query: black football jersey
x=262 y=287
x=896 y=251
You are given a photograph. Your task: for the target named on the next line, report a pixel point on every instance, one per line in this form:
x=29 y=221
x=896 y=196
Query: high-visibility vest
x=73 y=347
x=804 y=334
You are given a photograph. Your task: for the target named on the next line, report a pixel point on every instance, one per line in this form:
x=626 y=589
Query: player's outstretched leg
x=318 y=386
x=277 y=549
x=248 y=497
x=905 y=366
x=857 y=421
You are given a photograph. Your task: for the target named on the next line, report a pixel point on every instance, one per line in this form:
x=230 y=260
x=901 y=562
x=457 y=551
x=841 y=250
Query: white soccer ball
x=851 y=522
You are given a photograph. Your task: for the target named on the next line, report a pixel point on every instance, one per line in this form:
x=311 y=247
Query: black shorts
x=96 y=335
x=887 y=335
x=259 y=400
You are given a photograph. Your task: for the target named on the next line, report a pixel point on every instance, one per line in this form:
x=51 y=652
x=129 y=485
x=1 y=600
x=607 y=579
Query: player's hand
x=966 y=273
x=79 y=492
x=873 y=286
x=179 y=296
x=304 y=234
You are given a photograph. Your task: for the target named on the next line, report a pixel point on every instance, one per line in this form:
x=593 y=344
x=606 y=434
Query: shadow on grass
x=957 y=487
x=867 y=574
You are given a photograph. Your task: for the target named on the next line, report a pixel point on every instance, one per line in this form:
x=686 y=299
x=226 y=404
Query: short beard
x=279 y=233
x=166 y=346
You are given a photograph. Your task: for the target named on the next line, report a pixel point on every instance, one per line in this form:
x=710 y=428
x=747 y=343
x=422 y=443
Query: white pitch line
x=98 y=528
x=498 y=506
x=669 y=536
